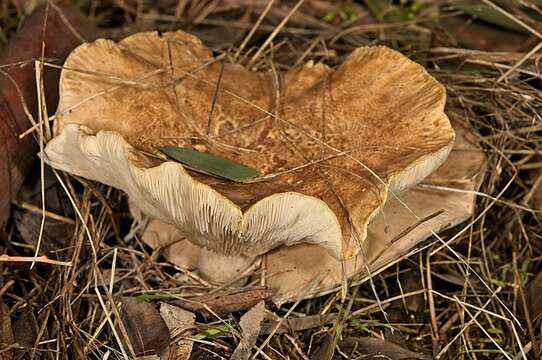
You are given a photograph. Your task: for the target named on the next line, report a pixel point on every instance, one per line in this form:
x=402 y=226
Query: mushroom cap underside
x=330 y=144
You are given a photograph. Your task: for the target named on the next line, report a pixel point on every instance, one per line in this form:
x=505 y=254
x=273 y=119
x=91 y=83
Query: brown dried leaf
x=383 y=348
x=326 y=349
x=17 y=155
x=251 y=324
x=178 y=321
x=223 y=303
x=147 y=331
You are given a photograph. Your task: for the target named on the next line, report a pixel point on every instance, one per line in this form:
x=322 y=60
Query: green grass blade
x=210 y=164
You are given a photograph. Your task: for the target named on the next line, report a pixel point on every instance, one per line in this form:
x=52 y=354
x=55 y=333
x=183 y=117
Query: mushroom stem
x=221 y=268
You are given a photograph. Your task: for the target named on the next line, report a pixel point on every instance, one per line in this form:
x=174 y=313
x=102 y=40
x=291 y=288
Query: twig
x=40 y=259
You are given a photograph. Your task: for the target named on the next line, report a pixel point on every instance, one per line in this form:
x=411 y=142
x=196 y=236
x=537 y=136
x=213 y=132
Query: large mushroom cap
x=330 y=144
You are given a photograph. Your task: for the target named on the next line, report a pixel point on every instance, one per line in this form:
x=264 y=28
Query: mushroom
x=443 y=200
x=331 y=145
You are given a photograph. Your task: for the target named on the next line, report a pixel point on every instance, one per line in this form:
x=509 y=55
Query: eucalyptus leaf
x=210 y=164
x=489 y=14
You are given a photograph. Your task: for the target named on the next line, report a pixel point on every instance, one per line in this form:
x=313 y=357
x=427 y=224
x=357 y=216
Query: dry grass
x=431 y=301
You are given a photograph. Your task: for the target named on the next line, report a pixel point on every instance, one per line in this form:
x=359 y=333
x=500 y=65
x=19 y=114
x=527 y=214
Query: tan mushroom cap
x=339 y=143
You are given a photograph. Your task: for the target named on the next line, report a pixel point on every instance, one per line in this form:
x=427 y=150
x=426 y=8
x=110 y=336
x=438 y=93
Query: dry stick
x=42 y=112
x=507 y=67
x=33 y=259
x=466 y=304
x=113 y=268
x=341 y=321
x=98 y=330
x=21 y=97
x=273 y=34
x=253 y=30
x=373 y=288
x=296 y=346
x=307 y=51
x=6 y=287
x=98 y=276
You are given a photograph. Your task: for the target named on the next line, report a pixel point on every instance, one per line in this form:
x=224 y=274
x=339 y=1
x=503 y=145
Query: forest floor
x=477 y=297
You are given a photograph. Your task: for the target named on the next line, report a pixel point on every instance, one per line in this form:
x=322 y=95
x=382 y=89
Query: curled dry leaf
x=178 y=321
x=251 y=324
x=330 y=144
x=147 y=332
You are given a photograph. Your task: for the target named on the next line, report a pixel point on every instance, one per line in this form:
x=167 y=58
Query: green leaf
x=213 y=331
x=210 y=164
